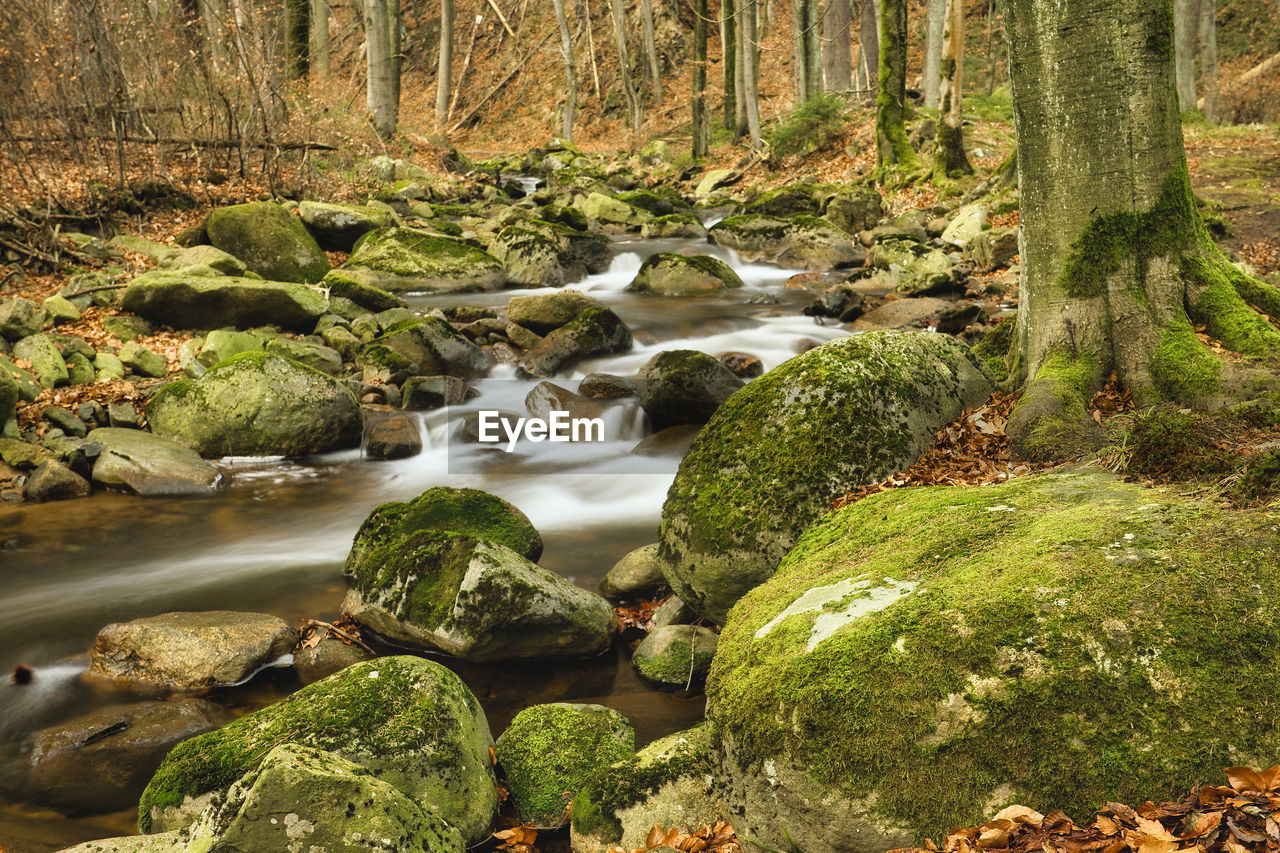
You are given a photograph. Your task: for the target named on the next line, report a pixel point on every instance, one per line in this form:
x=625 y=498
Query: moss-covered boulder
x=803 y=241
x=434 y=348
x=19 y=318
x=269 y=239
x=684 y=387
x=28 y=386
x=606 y=211
x=671 y=782
x=46 y=360
x=595 y=331
x=536 y=255
x=211 y=257
x=543 y=312
x=1060 y=641
x=141 y=463
x=303 y=796
x=639 y=571
x=363 y=295
x=675 y=226
x=208 y=302
x=675 y=656
x=409 y=721
x=671 y=274
x=549 y=752
x=478 y=600
x=8 y=396
x=338 y=226
x=774 y=456
x=257 y=404
x=406 y=259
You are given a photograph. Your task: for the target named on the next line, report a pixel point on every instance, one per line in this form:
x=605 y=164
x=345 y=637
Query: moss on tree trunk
x=1118 y=269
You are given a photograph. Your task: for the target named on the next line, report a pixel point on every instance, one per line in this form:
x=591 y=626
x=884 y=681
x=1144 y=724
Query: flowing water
x=276 y=537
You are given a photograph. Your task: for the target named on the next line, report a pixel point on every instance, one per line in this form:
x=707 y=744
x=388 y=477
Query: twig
x=514 y=71
x=466 y=63
x=503 y=18
x=351 y=638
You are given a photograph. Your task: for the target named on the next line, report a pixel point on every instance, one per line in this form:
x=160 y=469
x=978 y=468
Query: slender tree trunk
x=396 y=34
x=741 y=66
x=700 y=14
x=750 y=58
x=444 y=72
x=869 y=47
x=837 y=62
x=634 y=105
x=892 y=146
x=992 y=56
x=297 y=38
x=320 y=39
x=381 y=86
x=212 y=13
x=570 y=73
x=807 y=43
x=1116 y=264
x=650 y=47
x=1186 y=25
x=729 y=50
x=937 y=11
x=950 y=157
x=799 y=68
x=1209 y=59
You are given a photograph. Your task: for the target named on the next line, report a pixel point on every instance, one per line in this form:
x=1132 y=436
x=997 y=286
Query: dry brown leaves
x=345 y=629
x=517 y=839
x=637 y=614
x=972 y=450
x=112 y=391
x=718 y=838
x=1263 y=256
x=1241 y=817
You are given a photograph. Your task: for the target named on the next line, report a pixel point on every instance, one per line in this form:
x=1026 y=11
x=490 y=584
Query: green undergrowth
x=809 y=127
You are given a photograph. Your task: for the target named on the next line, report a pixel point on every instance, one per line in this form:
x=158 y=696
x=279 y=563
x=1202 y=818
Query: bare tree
x=837 y=64
x=700 y=14
x=650 y=47
x=444 y=74
x=729 y=50
x=382 y=91
x=937 y=11
x=570 y=73
x=869 y=48
x=297 y=38
x=949 y=157
x=1186 y=24
x=808 y=69
x=1209 y=59
x=892 y=146
x=320 y=38
x=749 y=70
x=634 y=104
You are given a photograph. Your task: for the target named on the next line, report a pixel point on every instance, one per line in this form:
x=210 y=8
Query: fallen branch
x=503 y=18
x=514 y=71
x=1258 y=70
x=349 y=637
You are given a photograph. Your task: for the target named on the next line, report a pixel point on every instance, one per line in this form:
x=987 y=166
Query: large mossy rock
x=547 y=254
x=684 y=387
x=341 y=225
x=671 y=783
x=8 y=396
x=595 y=331
x=409 y=721
x=545 y=312
x=269 y=239
x=302 y=796
x=549 y=752
x=1060 y=641
x=257 y=404
x=670 y=274
x=434 y=348
x=187 y=301
x=776 y=453
x=404 y=259
x=804 y=241
x=850 y=207
x=479 y=601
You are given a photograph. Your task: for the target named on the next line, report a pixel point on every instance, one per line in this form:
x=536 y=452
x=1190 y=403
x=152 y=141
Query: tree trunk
x=297 y=38
x=933 y=52
x=741 y=63
x=396 y=34
x=1186 y=24
x=634 y=105
x=892 y=147
x=729 y=50
x=869 y=47
x=381 y=88
x=1209 y=59
x=320 y=39
x=444 y=72
x=700 y=14
x=808 y=68
x=570 y=73
x=212 y=13
x=650 y=47
x=837 y=62
x=1116 y=264
x=749 y=60
x=950 y=157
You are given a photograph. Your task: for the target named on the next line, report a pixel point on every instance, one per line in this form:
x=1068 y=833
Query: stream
x=276 y=537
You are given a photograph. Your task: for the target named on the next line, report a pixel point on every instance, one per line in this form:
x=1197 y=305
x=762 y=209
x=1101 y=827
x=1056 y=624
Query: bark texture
x=444 y=71
x=699 y=116
x=382 y=89
x=1212 y=109
x=804 y=16
x=297 y=39
x=1116 y=264
x=729 y=50
x=320 y=39
x=933 y=26
x=869 y=48
x=950 y=157
x=635 y=108
x=837 y=60
x=1186 y=25
x=892 y=146
x=650 y=48
x=570 y=73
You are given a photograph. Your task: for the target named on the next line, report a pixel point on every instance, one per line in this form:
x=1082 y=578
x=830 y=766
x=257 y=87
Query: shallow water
x=275 y=539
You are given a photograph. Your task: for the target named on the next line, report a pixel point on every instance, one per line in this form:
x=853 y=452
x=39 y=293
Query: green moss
x=550 y=751
x=1259 y=480
x=1169 y=444
x=996 y=346
x=1222 y=297
x=1051 y=422
x=1077 y=639
x=390 y=714
x=1182 y=367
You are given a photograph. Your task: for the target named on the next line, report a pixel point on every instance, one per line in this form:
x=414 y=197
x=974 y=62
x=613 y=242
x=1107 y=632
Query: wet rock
x=752 y=481
x=405 y=259
x=434 y=347
x=52 y=481
x=204 y=302
x=309 y=788
x=672 y=441
x=605 y=386
x=20 y=318
x=545 y=398
x=539 y=254
x=956 y=320
x=326 y=657
x=639 y=571
x=674 y=226
x=670 y=274
x=595 y=331
x=673 y=611
x=684 y=386
x=65 y=421
x=675 y=656
x=142 y=361
x=223 y=263
x=102 y=760
x=269 y=239
x=838 y=301
x=432 y=392
x=364 y=295
x=396 y=437
x=191 y=651
x=803 y=241
x=550 y=751
x=338 y=226
x=903 y=314
x=407 y=720
x=146 y=464
x=930 y=274
x=257 y=404
x=544 y=312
